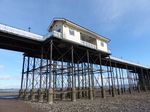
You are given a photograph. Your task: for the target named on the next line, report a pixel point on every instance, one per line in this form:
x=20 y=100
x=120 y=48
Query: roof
x=128 y=62
x=76 y=25
x=21 y=33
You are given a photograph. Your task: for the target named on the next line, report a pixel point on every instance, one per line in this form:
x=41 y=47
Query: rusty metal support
x=50 y=90
x=124 y=87
x=32 y=92
x=89 y=79
x=62 y=89
x=101 y=73
x=113 y=89
x=27 y=76
x=22 y=78
x=109 y=81
x=40 y=91
x=121 y=82
x=129 y=80
x=143 y=81
x=117 y=79
x=73 y=97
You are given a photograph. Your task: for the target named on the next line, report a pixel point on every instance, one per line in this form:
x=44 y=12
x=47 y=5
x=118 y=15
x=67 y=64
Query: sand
x=14 y=105
x=135 y=102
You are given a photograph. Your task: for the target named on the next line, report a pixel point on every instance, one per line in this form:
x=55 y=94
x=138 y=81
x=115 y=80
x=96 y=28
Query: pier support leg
x=138 y=88
x=26 y=95
x=62 y=94
x=103 y=92
x=91 y=93
x=113 y=92
x=73 y=97
x=130 y=90
x=32 y=95
x=110 y=91
x=145 y=88
x=80 y=93
x=83 y=92
x=94 y=93
x=40 y=95
x=50 y=96
x=69 y=93
x=54 y=92
x=119 y=91
x=122 y=91
x=20 y=94
x=86 y=92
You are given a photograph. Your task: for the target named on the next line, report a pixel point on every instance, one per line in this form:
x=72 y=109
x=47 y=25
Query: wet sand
x=136 y=102
x=14 y=105
x=10 y=103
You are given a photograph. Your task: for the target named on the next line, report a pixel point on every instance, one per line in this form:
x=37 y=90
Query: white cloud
x=126 y=15
x=1 y=67
x=9 y=77
x=10 y=85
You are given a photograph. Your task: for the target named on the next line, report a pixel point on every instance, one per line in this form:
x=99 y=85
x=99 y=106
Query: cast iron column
x=73 y=97
x=50 y=90
x=117 y=79
x=32 y=90
x=89 y=79
x=113 y=89
x=101 y=73
x=40 y=91
x=26 y=90
x=22 y=77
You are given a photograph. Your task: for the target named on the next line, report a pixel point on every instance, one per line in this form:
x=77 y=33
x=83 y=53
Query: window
x=71 y=31
x=59 y=30
x=102 y=44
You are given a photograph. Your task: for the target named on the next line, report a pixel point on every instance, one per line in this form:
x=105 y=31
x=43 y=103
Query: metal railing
x=53 y=33
x=88 y=44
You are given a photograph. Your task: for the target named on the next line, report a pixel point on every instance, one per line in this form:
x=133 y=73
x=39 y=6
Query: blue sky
x=125 y=22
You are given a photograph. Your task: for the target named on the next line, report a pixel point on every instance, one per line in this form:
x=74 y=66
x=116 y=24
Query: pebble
x=122 y=103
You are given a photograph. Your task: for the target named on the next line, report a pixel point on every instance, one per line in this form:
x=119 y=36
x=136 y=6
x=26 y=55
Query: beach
x=135 y=102
x=9 y=102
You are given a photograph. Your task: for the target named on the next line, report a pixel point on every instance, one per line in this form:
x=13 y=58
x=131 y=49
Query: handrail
x=88 y=44
x=53 y=33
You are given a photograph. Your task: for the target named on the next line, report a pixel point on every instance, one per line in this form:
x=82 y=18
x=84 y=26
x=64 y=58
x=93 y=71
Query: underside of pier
x=60 y=70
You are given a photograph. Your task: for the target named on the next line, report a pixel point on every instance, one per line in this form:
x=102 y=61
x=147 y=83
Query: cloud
x=10 y=85
x=1 y=67
x=127 y=15
x=9 y=77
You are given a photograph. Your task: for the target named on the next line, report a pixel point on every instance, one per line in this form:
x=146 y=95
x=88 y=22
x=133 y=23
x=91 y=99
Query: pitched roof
x=77 y=26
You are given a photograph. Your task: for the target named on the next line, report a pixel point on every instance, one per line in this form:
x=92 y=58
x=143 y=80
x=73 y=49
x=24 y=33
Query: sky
x=125 y=22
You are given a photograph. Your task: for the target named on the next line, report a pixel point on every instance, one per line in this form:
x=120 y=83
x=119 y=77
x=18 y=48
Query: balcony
x=88 y=44
x=54 y=34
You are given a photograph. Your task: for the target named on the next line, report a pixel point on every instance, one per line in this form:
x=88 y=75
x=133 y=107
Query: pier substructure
x=64 y=71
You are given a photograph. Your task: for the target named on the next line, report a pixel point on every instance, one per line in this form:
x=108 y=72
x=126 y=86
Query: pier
x=56 y=69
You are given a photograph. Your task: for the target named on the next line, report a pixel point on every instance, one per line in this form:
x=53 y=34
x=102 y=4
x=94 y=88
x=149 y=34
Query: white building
x=69 y=31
